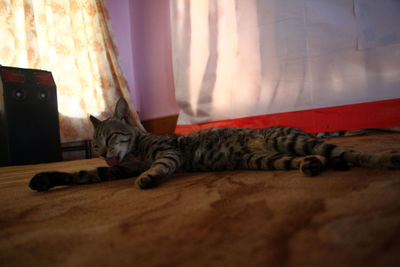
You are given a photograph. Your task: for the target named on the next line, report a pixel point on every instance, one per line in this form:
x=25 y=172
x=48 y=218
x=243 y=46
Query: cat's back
x=226 y=133
x=220 y=148
x=214 y=135
x=211 y=149
x=216 y=138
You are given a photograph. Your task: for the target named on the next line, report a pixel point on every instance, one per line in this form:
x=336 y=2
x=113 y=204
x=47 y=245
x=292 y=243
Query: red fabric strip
x=348 y=117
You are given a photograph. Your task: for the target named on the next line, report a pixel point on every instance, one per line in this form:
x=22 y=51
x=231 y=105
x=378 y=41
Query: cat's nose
x=104 y=154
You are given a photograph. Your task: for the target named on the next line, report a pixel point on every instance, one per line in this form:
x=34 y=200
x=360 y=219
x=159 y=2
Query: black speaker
x=29 y=126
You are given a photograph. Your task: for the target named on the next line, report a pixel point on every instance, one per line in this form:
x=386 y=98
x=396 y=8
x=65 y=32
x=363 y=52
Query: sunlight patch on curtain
x=73 y=40
x=207 y=59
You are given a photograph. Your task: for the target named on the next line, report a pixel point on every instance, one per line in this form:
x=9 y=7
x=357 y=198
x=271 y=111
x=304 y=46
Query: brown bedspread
x=244 y=218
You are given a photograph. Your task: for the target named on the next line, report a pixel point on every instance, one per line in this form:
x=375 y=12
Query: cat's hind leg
x=310 y=165
x=338 y=157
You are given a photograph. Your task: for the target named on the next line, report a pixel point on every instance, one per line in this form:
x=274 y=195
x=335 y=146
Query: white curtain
x=242 y=58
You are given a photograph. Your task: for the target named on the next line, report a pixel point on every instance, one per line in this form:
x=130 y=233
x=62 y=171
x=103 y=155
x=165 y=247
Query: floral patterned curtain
x=73 y=40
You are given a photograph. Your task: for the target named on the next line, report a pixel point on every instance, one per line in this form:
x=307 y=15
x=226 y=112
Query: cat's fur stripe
x=131 y=152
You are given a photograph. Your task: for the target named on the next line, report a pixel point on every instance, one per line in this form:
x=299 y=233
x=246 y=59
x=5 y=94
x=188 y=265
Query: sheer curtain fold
x=243 y=58
x=72 y=39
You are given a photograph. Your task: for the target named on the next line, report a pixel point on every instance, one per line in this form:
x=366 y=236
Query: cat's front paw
x=41 y=182
x=45 y=180
x=145 y=182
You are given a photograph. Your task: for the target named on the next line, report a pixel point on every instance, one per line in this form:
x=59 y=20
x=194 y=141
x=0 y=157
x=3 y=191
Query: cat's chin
x=113 y=161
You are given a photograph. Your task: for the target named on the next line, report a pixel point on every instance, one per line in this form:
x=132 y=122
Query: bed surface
x=243 y=218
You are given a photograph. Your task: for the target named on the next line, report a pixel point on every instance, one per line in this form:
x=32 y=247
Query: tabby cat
x=131 y=152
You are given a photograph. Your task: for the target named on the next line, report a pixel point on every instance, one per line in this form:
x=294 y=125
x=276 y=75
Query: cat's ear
x=121 y=111
x=94 y=121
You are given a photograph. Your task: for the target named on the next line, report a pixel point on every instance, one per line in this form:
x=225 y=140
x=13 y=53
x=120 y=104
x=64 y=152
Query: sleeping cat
x=131 y=152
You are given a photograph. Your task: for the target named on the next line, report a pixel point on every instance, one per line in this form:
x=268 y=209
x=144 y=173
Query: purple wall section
x=142 y=32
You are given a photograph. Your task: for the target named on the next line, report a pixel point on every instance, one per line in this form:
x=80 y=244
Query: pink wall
x=119 y=12
x=142 y=32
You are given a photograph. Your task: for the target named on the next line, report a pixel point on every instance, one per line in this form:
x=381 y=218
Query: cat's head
x=113 y=138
